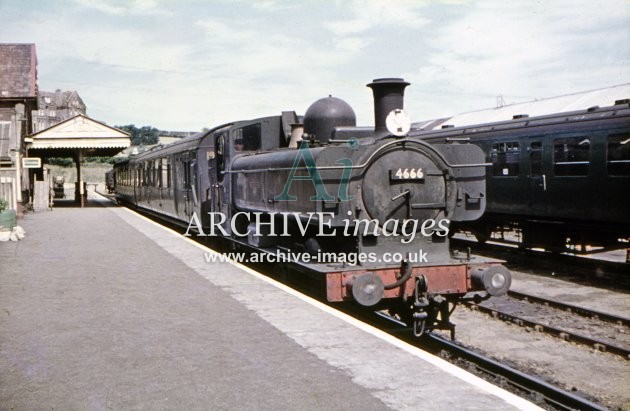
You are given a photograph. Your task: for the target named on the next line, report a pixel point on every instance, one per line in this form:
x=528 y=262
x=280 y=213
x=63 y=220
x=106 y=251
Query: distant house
x=18 y=98
x=55 y=107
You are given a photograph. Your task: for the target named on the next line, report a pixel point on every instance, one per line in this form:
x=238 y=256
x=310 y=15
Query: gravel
x=601 y=377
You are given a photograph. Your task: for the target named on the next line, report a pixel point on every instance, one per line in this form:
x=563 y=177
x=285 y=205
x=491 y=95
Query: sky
x=188 y=64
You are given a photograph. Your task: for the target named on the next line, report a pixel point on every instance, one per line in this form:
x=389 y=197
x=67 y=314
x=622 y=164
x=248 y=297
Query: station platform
x=101 y=308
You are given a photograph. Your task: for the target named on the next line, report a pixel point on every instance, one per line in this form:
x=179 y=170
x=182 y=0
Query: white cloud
x=255 y=53
x=210 y=62
x=273 y=5
x=368 y=14
x=352 y=44
x=523 y=51
x=122 y=51
x=123 y=7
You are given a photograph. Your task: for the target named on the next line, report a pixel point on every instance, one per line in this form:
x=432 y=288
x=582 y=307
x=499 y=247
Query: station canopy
x=79 y=134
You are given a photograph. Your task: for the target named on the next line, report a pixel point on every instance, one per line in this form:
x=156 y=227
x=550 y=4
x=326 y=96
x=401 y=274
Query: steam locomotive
x=366 y=209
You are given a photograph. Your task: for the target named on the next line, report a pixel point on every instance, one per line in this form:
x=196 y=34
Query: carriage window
x=618 y=157
x=158 y=173
x=247 y=138
x=153 y=171
x=193 y=180
x=145 y=174
x=505 y=159
x=166 y=172
x=571 y=156
x=186 y=166
x=535 y=159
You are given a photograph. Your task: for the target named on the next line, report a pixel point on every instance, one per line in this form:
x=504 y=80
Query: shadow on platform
x=93 y=200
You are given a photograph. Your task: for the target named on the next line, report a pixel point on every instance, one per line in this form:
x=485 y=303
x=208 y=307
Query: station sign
x=31 y=162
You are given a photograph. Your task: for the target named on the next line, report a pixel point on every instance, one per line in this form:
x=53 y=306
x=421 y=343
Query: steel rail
x=553 y=395
x=557 y=332
x=581 y=311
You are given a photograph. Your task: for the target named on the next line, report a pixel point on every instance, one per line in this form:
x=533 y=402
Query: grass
x=90 y=172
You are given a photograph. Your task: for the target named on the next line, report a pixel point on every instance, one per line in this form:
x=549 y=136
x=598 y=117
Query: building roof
x=61 y=99
x=571 y=102
x=18 y=71
x=79 y=132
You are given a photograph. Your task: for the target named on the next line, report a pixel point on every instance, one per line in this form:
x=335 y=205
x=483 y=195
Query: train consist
x=560 y=180
x=316 y=186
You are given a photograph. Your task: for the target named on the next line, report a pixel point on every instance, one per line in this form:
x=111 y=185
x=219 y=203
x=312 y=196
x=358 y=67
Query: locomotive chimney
x=388 y=95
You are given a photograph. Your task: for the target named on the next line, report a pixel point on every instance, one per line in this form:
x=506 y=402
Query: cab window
x=247 y=138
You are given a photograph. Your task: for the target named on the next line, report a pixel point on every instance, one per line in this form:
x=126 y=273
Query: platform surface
x=103 y=309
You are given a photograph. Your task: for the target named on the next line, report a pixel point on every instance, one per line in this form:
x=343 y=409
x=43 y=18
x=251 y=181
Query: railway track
x=527 y=386
x=542 y=320
x=535 y=388
x=582 y=311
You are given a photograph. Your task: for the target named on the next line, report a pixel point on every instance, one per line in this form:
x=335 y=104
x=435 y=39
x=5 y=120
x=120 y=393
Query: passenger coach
x=561 y=179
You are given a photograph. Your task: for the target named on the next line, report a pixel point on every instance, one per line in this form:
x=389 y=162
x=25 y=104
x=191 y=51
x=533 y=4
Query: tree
x=142 y=136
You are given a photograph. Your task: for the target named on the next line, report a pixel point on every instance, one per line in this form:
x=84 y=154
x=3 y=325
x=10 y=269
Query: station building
x=37 y=125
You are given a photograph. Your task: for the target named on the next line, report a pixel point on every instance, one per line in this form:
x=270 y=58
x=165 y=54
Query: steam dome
x=325 y=114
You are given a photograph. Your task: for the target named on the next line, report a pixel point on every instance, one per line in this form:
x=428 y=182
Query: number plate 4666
x=406 y=174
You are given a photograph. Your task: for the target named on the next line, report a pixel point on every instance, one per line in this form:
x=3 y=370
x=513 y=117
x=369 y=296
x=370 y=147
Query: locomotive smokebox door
x=402 y=185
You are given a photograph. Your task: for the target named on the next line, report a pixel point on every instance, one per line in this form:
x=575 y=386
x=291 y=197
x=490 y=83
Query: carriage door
x=212 y=180
x=216 y=175
x=187 y=189
x=538 y=178
x=194 y=187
